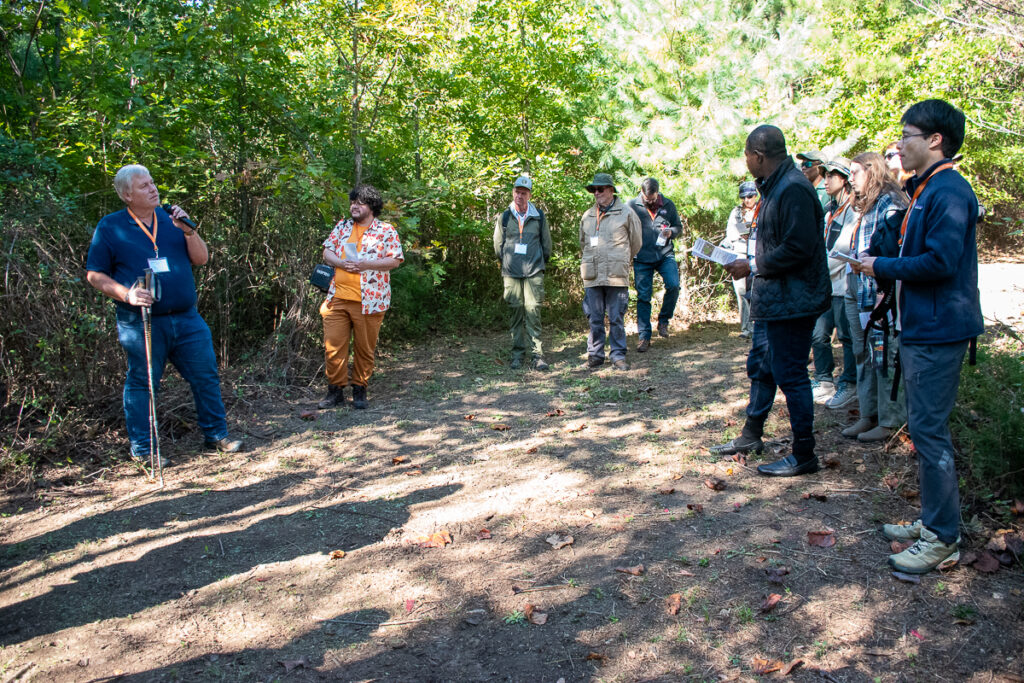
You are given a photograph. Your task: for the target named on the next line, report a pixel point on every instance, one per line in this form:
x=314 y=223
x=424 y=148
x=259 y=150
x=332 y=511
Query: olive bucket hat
x=601 y=180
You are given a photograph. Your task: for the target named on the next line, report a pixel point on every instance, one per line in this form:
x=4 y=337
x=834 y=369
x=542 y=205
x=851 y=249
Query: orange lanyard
x=150 y=235
x=654 y=214
x=522 y=221
x=917 y=193
x=837 y=212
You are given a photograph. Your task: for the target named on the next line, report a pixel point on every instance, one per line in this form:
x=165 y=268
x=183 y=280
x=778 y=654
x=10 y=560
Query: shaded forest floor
x=226 y=572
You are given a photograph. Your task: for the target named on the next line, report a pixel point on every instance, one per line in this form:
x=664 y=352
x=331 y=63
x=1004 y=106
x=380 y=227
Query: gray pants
x=873 y=388
x=931 y=376
x=524 y=296
x=613 y=301
x=740 y=287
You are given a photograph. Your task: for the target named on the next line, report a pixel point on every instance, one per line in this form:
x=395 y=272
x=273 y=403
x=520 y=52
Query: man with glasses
x=939 y=318
x=660 y=224
x=790 y=289
x=610 y=237
x=812 y=164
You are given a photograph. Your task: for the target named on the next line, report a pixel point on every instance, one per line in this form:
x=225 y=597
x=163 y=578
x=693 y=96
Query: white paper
x=709 y=252
x=159 y=265
x=593 y=241
x=351 y=251
x=840 y=256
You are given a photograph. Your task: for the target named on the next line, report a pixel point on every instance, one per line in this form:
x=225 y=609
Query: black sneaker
x=359 y=397
x=335 y=397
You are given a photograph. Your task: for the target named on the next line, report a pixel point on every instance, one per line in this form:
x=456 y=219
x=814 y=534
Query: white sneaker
x=822 y=391
x=927 y=553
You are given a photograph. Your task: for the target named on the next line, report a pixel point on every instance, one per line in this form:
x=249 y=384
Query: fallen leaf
x=554 y=413
x=677 y=477
x=792 y=666
x=766 y=666
x=558 y=541
x=438 y=539
x=729 y=471
x=577 y=428
x=307 y=415
x=673 y=603
x=413 y=472
x=410 y=604
x=469 y=417
x=684 y=572
x=500 y=427
x=739 y=458
x=666 y=490
x=696 y=507
x=891 y=480
x=633 y=571
x=907 y=578
x=832 y=462
x=483 y=534
x=714 y=484
x=775 y=574
x=1006 y=541
x=337 y=554
x=898 y=547
x=657 y=431
x=596 y=657
x=399 y=459
x=590 y=513
x=916 y=634
x=531 y=450
x=821 y=497
x=770 y=602
x=292 y=664
x=534 y=617
x=1018 y=507
x=821 y=539
x=909 y=494
x=986 y=563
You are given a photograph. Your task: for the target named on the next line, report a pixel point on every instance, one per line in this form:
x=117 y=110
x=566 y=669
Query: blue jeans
x=185 y=340
x=597 y=301
x=931 y=377
x=778 y=360
x=821 y=343
x=643 y=276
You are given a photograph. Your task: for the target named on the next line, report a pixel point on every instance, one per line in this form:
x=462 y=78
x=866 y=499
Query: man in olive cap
x=522 y=243
x=812 y=163
x=610 y=237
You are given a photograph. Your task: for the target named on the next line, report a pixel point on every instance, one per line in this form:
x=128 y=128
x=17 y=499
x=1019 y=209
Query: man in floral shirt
x=362 y=250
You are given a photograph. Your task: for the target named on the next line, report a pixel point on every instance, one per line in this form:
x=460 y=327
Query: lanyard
x=917 y=193
x=837 y=212
x=752 y=235
x=150 y=235
x=522 y=220
x=654 y=214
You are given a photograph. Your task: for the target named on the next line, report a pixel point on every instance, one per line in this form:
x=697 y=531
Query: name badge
x=593 y=241
x=520 y=248
x=159 y=265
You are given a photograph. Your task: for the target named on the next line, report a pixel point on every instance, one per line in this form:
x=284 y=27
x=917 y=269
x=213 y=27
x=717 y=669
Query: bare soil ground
x=225 y=574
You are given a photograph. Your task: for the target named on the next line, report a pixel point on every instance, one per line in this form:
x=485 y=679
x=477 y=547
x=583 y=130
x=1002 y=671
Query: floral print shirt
x=379 y=241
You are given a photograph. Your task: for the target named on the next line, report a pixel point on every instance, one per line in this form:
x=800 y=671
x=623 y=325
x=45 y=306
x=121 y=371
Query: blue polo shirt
x=121 y=250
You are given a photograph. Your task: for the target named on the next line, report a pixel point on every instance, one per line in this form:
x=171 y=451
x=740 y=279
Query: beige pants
x=345 y=321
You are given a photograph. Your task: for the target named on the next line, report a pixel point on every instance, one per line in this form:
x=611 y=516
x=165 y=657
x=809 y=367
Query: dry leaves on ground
x=775 y=574
x=534 y=616
x=483 y=534
x=792 y=666
x=500 y=427
x=832 y=461
x=673 y=603
x=636 y=570
x=821 y=497
x=696 y=507
x=292 y=664
x=715 y=484
x=667 y=490
x=576 y=428
x=770 y=602
x=437 y=539
x=337 y=554
x=821 y=539
x=597 y=657
x=554 y=413
x=766 y=666
x=558 y=541
x=307 y=415
x=1018 y=507
x=399 y=459
x=469 y=417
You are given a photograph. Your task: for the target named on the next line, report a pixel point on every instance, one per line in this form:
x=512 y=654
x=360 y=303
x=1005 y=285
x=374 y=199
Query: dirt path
x=226 y=574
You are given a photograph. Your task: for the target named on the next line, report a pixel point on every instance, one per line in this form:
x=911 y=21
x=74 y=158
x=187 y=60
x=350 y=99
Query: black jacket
x=792 y=269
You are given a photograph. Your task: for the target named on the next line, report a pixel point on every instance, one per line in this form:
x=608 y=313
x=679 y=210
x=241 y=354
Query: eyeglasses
x=808 y=164
x=600 y=189
x=890 y=155
x=907 y=136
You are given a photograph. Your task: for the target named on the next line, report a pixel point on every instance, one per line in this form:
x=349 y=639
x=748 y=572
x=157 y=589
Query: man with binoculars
x=161 y=244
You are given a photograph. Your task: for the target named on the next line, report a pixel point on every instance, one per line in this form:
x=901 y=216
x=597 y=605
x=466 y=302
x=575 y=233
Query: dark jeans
x=643 y=276
x=821 y=343
x=598 y=301
x=931 y=377
x=185 y=340
x=778 y=360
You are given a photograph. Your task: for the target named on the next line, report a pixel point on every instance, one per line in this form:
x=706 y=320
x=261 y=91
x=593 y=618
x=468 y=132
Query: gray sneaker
x=927 y=553
x=903 y=532
x=844 y=397
x=822 y=390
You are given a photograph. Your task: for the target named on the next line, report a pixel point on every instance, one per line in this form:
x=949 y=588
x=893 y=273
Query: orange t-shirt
x=346 y=284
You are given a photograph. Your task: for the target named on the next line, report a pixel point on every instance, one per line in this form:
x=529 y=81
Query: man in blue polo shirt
x=939 y=315
x=142 y=235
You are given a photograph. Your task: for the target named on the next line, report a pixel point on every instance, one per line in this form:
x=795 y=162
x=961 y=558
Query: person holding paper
x=881 y=204
x=363 y=250
x=940 y=318
x=609 y=239
x=790 y=289
x=739 y=240
x=659 y=225
x=522 y=243
x=143 y=236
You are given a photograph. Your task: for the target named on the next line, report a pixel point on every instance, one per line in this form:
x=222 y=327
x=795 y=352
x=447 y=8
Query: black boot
x=359 y=397
x=335 y=397
x=802 y=461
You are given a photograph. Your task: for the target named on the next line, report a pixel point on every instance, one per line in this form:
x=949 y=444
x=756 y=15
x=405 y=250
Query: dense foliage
x=257 y=117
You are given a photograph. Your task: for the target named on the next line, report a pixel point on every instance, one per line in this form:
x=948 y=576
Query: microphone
x=186 y=221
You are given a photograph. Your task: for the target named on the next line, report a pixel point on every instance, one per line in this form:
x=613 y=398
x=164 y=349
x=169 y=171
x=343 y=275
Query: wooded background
x=258 y=117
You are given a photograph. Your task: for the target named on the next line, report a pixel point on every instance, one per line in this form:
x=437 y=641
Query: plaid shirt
x=867 y=291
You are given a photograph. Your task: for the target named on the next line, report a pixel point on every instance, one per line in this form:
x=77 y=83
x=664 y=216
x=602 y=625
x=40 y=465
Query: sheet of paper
x=710 y=252
x=351 y=251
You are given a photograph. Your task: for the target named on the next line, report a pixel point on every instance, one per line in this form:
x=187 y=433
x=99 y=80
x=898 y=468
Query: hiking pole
x=154 y=433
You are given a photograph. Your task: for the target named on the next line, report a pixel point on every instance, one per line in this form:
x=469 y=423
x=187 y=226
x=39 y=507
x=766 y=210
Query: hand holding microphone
x=180 y=218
